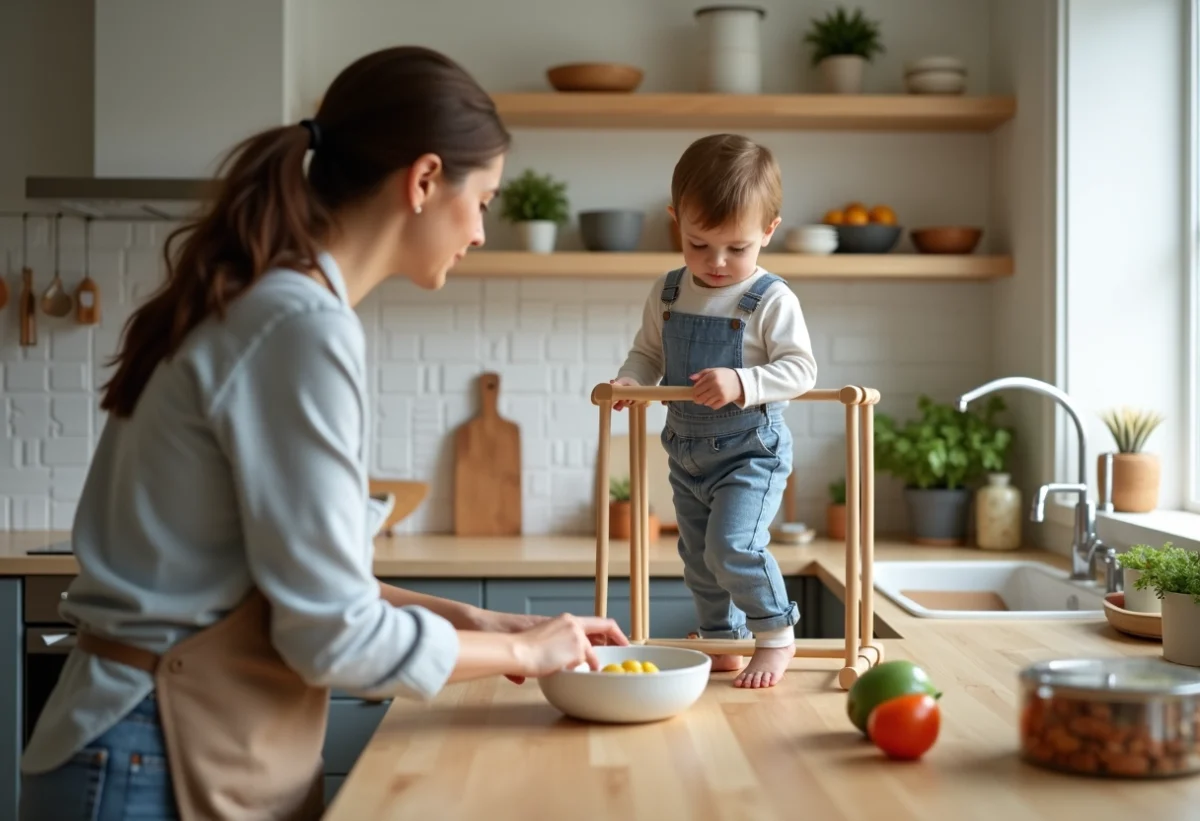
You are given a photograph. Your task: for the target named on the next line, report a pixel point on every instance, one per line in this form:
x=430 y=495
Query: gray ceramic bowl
x=867 y=239
x=611 y=230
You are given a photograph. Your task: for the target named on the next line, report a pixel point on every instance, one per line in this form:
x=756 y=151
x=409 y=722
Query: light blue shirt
x=243 y=465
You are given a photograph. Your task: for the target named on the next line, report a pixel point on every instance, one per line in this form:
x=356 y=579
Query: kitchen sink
x=988 y=590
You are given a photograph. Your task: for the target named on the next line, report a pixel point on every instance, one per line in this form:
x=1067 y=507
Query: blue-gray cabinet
x=12 y=708
x=672 y=614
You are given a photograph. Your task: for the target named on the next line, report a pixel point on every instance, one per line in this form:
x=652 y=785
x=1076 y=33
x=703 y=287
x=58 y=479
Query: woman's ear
x=422 y=180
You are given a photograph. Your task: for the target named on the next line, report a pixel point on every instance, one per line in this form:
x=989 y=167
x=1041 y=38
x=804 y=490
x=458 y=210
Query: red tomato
x=905 y=727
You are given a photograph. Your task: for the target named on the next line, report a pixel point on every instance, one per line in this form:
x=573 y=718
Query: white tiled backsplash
x=551 y=341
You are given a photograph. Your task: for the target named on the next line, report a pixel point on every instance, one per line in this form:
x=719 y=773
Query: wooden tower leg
x=644 y=518
x=635 y=529
x=602 y=509
x=849 y=674
x=867 y=412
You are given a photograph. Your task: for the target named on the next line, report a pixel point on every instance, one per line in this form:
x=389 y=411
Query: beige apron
x=243 y=731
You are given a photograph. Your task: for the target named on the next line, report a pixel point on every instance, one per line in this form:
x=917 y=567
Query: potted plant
x=1135 y=474
x=536 y=204
x=842 y=45
x=620 y=512
x=1134 y=564
x=937 y=455
x=1175 y=579
x=835 y=512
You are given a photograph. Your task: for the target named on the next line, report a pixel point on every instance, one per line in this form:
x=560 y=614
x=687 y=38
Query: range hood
x=121 y=197
x=168 y=104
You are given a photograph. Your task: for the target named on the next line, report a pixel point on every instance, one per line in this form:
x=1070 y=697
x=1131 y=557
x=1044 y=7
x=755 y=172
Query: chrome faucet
x=1085 y=546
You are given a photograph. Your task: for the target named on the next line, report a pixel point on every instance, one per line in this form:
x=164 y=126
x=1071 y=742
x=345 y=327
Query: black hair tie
x=314 y=133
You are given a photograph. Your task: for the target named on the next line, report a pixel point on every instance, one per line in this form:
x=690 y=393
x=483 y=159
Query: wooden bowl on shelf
x=611 y=77
x=947 y=239
x=1142 y=625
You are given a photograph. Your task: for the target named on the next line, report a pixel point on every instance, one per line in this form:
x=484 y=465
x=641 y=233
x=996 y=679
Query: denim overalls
x=728 y=468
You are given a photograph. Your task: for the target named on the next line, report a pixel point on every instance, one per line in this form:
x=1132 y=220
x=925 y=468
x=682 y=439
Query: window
x=1193 y=260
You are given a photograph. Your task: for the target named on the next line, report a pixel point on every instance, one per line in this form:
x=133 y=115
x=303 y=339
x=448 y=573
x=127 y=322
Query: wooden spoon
x=56 y=301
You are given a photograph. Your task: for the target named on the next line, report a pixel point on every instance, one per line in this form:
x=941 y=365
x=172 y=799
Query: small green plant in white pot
x=1175 y=579
x=537 y=204
x=1134 y=562
x=842 y=46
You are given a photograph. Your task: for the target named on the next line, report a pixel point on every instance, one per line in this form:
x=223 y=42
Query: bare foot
x=766 y=667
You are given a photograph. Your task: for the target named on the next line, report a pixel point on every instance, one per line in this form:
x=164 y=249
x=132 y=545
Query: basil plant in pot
x=937 y=455
x=1174 y=576
x=537 y=204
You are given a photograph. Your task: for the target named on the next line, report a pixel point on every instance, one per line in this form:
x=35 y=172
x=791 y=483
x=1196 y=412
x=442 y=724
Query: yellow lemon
x=612 y=668
x=632 y=666
x=649 y=667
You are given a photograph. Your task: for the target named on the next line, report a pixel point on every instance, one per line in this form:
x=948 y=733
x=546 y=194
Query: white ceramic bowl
x=811 y=239
x=935 y=82
x=935 y=64
x=628 y=698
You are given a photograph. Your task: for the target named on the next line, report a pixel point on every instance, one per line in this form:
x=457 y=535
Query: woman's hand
x=621 y=404
x=564 y=642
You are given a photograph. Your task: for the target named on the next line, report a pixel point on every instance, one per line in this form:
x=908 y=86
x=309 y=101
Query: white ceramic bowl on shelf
x=936 y=81
x=629 y=698
x=811 y=239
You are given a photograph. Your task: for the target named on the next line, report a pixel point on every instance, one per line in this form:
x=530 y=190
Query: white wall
x=1024 y=58
x=553 y=337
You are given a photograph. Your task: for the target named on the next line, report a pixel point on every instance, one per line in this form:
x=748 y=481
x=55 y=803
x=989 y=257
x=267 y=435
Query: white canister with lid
x=730 y=49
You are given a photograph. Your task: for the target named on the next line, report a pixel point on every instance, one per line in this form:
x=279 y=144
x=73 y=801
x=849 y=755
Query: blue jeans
x=728 y=478
x=120 y=776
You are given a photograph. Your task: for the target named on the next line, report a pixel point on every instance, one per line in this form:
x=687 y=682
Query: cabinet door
x=672 y=614
x=11 y=722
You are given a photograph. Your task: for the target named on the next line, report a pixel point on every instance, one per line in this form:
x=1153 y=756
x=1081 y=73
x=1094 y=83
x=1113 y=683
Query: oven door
x=46 y=650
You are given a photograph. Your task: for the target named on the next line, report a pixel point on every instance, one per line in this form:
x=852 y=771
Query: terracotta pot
x=835 y=521
x=620 y=524
x=1135 y=481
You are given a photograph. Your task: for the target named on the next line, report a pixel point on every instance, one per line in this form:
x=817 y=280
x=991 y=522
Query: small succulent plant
x=1131 y=427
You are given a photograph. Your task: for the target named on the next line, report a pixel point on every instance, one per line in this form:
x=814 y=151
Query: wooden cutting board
x=408 y=495
x=487 y=469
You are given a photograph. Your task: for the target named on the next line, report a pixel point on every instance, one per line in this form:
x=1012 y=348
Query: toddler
x=736 y=334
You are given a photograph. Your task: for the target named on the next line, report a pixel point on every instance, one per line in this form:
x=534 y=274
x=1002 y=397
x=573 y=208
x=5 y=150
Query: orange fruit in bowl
x=854 y=206
x=834 y=217
x=883 y=214
x=857 y=215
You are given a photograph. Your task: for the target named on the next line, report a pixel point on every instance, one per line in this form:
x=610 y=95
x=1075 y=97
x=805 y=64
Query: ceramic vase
x=1135 y=481
x=998 y=514
x=538 y=235
x=1181 y=629
x=842 y=73
x=1139 y=601
x=729 y=48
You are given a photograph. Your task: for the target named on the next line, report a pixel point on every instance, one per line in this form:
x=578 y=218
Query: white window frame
x=1192 y=255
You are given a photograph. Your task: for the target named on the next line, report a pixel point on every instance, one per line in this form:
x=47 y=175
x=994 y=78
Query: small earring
x=417 y=209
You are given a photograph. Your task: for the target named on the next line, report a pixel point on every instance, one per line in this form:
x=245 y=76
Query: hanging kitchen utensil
x=27 y=301
x=487 y=469
x=87 y=295
x=56 y=301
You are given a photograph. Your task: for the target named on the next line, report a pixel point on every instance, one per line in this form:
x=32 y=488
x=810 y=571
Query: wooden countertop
x=493 y=750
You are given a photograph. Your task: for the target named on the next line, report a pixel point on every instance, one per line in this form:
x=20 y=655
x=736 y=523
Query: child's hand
x=716 y=387
x=621 y=404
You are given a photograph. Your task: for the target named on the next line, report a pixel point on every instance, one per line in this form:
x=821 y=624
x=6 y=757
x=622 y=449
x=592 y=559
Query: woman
x=224 y=531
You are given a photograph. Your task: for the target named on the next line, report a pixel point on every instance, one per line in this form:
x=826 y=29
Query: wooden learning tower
x=861 y=651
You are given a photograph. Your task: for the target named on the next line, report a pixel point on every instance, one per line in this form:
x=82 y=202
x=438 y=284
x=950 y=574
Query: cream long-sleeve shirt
x=777 y=358
x=244 y=464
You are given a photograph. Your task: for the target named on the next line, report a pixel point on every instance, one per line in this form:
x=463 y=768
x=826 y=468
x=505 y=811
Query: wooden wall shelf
x=647 y=265
x=876 y=112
